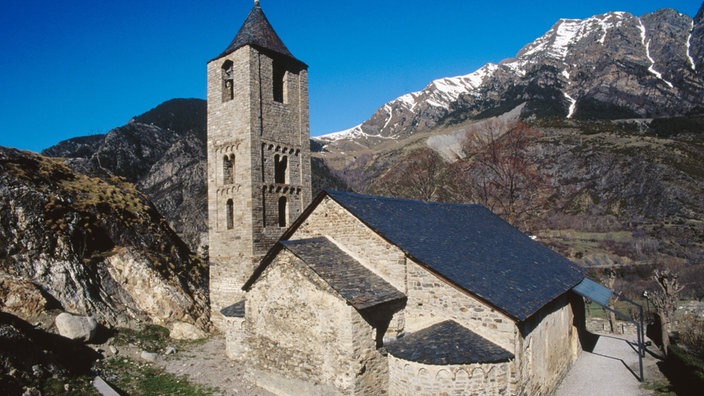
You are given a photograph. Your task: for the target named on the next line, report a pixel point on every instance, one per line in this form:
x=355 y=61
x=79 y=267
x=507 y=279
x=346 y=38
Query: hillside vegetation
x=91 y=246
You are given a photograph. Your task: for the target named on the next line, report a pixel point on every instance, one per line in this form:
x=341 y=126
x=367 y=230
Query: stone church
x=352 y=294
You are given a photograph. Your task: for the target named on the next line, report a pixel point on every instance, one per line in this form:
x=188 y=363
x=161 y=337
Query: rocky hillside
x=91 y=246
x=163 y=153
x=610 y=66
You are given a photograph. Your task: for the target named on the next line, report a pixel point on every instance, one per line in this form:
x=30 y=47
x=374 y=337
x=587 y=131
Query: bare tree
x=665 y=302
x=610 y=280
x=422 y=175
x=500 y=172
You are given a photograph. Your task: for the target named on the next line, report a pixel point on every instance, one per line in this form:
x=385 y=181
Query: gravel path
x=206 y=364
x=610 y=369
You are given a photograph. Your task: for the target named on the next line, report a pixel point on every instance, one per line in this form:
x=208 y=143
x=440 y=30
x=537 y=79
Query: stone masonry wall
x=547 y=348
x=417 y=379
x=432 y=300
x=302 y=338
x=356 y=239
x=250 y=128
x=229 y=127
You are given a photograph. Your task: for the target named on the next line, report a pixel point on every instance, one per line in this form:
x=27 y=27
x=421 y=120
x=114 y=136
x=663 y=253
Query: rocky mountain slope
x=591 y=138
x=163 y=153
x=609 y=66
x=91 y=246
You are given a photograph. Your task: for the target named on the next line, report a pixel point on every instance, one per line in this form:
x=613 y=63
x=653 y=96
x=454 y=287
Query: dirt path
x=206 y=364
x=612 y=368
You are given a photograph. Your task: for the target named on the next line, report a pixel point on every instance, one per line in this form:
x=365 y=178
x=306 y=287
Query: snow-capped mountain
x=609 y=66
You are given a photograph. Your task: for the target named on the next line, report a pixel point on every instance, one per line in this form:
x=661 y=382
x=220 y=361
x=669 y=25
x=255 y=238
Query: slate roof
x=235 y=310
x=447 y=343
x=471 y=248
x=256 y=31
x=355 y=283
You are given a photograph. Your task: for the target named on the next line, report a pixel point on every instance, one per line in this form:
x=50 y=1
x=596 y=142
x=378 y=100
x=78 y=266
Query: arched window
x=228 y=169
x=280 y=169
x=230 y=214
x=228 y=90
x=283 y=211
x=278 y=82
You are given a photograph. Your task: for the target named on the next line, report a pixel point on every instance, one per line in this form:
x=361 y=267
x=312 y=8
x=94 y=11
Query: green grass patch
x=136 y=378
x=659 y=388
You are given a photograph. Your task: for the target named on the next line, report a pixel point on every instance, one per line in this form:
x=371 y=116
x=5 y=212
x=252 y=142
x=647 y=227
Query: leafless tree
x=422 y=175
x=609 y=280
x=500 y=172
x=665 y=301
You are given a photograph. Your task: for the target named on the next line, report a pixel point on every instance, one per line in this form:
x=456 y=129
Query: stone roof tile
x=471 y=248
x=258 y=32
x=447 y=343
x=355 y=283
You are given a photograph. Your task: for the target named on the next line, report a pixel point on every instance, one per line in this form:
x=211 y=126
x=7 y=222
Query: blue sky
x=76 y=67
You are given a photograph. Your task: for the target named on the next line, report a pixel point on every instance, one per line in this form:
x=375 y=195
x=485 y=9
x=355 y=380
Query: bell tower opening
x=228 y=88
x=280 y=169
x=279 y=82
x=283 y=211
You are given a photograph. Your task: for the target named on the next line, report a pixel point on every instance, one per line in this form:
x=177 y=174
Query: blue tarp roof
x=593 y=291
x=470 y=247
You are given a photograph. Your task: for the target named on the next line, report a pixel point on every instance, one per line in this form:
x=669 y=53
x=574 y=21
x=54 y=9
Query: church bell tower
x=259 y=177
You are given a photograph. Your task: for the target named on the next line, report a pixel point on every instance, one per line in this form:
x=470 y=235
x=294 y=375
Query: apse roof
x=447 y=343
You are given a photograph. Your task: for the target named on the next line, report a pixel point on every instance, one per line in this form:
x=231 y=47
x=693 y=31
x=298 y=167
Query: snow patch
x=573 y=105
x=689 y=44
x=389 y=112
x=651 y=69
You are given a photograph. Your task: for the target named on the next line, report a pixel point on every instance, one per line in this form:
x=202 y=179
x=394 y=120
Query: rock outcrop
x=92 y=246
x=162 y=152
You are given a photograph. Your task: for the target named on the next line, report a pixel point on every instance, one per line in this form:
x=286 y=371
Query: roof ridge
x=334 y=193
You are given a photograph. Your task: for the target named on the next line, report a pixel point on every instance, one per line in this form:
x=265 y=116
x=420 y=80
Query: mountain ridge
x=657 y=53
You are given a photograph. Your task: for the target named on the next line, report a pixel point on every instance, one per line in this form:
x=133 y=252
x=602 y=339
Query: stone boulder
x=186 y=331
x=80 y=328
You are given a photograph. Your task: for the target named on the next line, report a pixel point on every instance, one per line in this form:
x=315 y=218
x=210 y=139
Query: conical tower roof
x=257 y=32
